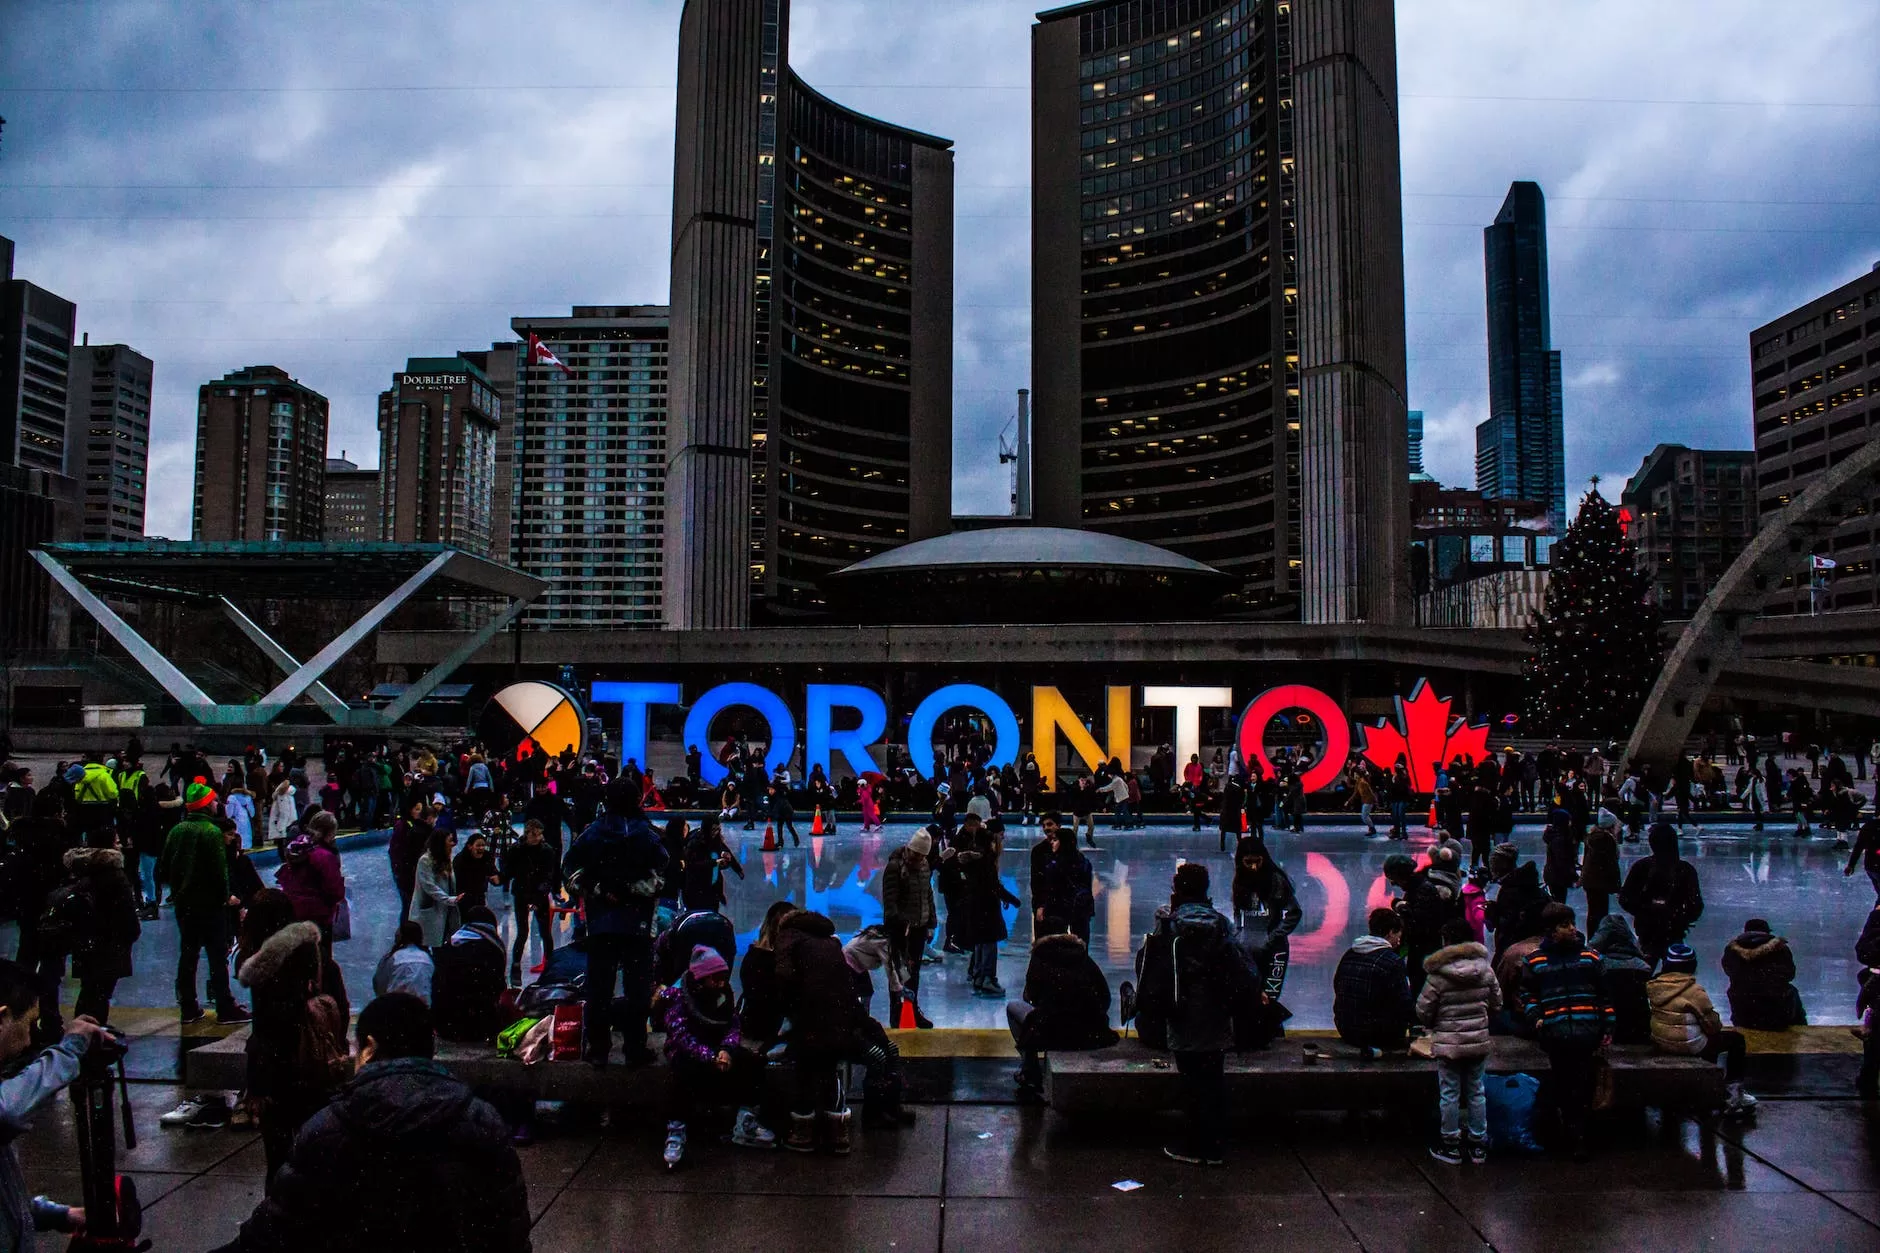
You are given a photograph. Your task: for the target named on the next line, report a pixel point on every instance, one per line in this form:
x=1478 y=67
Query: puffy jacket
x=1683 y=1019
x=615 y=856
x=816 y=988
x=1457 y=998
x=907 y=891
x=106 y=952
x=1561 y=997
x=406 y=1157
x=1762 y=982
x=1371 y=1003
x=312 y=880
x=1069 y=995
x=1623 y=974
x=1191 y=965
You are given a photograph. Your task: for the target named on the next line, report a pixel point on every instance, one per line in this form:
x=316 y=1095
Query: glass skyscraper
x=1520 y=452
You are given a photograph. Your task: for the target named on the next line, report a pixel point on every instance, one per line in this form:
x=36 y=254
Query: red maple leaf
x=1425 y=738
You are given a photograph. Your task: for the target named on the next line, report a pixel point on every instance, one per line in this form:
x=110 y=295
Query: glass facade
x=844 y=309
x=1189 y=388
x=589 y=467
x=1520 y=452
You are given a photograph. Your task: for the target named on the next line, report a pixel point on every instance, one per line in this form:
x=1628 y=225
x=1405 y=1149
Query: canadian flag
x=539 y=354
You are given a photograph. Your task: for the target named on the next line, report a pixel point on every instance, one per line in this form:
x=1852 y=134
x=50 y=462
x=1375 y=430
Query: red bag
x=567 y=1032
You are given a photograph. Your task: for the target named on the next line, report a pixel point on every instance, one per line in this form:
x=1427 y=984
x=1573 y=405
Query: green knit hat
x=198 y=795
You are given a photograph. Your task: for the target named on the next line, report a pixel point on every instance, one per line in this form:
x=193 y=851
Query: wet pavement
x=1796 y=884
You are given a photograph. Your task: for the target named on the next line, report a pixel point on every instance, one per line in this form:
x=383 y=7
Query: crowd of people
x=1477 y=941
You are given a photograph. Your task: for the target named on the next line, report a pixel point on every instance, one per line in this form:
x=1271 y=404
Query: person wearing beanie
x=1686 y=1024
x=617 y=864
x=704 y=1047
x=1762 y=989
x=1515 y=912
x=194 y=863
x=907 y=915
x=1192 y=979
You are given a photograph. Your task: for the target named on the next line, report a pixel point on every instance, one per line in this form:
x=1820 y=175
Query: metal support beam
x=323 y=695
x=174 y=681
x=1713 y=642
x=409 y=699
x=285 y=693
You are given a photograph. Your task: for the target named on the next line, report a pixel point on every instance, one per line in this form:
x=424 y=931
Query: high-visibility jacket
x=97 y=787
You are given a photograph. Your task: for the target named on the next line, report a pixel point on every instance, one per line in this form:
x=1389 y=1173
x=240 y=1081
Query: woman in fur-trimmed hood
x=283 y=967
x=103 y=956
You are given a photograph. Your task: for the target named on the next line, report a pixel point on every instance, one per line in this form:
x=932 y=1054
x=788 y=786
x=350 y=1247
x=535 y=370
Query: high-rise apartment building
x=1816 y=373
x=1521 y=451
x=438 y=424
x=588 y=466
x=108 y=439
x=1413 y=427
x=812 y=329
x=36 y=330
x=260 y=458
x=352 y=502
x=1218 y=350
x=1690 y=512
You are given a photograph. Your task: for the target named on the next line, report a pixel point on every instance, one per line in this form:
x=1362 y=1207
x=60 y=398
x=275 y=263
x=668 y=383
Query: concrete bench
x=1132 y=1079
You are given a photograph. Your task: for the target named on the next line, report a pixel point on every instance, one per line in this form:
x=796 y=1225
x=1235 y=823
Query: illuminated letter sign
x=820 y=739
x=698 y=725
x=634 y=698
x=1051 y=713
x=1279 y=699
x=1424 y=737
x=970 y=696
x=1187 y=702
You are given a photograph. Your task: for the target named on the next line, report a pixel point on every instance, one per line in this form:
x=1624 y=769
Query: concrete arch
x=1713 y=642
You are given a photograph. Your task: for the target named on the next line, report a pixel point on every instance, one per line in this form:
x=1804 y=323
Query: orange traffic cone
x=815 y=825
x=906 y=1022
x=770 y=838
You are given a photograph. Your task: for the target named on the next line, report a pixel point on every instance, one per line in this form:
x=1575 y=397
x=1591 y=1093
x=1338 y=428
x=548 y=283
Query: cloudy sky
x=332 y=187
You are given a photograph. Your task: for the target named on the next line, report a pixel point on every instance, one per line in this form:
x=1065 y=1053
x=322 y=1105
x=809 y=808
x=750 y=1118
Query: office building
x=437 y=454
x=107 y=449
x=260 y=458
x=1816 y=371
x=36 y=330
x=1217 y=282
x=1459 y=535
x=812 y=329
x=588 y=458
x=352 y=502
x=1689 y=512
x=1520 y=452
x=1414 y=428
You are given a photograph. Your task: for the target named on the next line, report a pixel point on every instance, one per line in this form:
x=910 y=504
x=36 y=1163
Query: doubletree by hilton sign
x=1424 y=735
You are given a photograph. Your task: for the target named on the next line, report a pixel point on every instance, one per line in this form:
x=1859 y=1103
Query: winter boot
x=1738 y=1103
x=802 y=1135
x=675 y=1145
x=1448 y=1151
x=1478 y=1151
x=835 y=1132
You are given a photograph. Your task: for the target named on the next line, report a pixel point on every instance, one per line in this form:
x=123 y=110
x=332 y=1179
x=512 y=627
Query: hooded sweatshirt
x=1623 y=974
x=1457 y=998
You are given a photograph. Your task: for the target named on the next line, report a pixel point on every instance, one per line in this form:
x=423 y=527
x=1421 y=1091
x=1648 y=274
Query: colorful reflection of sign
x=1422 y=737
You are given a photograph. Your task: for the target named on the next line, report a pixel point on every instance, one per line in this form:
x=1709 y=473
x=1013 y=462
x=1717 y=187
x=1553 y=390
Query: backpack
x=69 y=922
x=322 y=1059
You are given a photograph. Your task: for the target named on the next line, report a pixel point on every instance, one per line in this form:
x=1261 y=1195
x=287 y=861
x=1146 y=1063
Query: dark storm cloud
x=344 y=221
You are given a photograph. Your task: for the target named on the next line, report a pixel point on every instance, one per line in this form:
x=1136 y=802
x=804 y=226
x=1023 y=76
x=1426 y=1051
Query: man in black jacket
x=405 y=1157
x=1066 y=1005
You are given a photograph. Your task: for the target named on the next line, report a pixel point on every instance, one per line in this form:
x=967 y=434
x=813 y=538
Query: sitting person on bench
x=1066 y=1006
x=467 y=980
x=1762 y=980
x=1371 y=1003
x=709 y=1068
x=1685 y=1022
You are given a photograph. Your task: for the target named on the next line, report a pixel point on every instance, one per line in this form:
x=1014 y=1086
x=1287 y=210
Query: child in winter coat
x=1686 y=1023
x=1459 y=993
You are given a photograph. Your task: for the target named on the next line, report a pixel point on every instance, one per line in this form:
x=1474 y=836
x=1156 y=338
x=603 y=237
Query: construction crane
x=1016 y=453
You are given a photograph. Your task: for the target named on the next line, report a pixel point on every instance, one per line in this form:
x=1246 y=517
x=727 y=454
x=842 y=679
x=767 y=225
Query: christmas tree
x=1595 y=648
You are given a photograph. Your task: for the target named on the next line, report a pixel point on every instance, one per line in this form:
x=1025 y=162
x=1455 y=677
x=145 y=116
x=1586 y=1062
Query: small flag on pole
x=539 y=354
x=1823 y=563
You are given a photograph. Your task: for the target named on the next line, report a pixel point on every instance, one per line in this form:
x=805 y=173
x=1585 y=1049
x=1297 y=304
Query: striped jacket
x=1560 y=996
